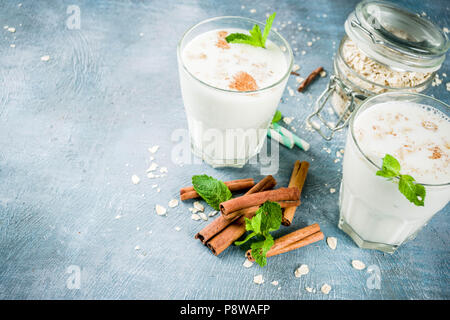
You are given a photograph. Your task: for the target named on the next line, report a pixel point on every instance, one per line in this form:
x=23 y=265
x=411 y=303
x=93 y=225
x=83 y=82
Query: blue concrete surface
x=74 y=129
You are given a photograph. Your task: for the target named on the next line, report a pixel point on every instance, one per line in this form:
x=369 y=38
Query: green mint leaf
x=265 y=220
x=260 y=249
x=277 y=117
x=213 y=191
x=256 y=38
x=248 y=237
x=271 y=215
x=267 y=28
x=412 y=191
x=390 y=167
x=241 y=38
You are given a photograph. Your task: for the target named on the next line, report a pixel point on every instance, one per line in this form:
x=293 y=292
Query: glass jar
x=386 y=49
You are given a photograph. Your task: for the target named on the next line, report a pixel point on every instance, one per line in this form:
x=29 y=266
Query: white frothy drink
x=418 y=136
x=230 y=95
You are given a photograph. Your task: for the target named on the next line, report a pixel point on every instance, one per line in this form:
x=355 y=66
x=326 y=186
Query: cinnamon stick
x=286 y=197
x=298 y=178
x=293 y=240
x=221 y=233
x=309 y=79
x=234 y=185
x=220 y=223
x=295 y=73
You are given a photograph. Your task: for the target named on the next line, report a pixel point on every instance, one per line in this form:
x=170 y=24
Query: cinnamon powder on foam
x=242 y=81
x=221 y=42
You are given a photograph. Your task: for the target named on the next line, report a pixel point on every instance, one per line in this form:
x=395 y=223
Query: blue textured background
x=74 y=129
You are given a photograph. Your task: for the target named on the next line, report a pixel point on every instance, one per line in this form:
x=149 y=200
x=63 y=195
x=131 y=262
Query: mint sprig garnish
x=213 y=191
x=277 y=117
x=413 y=191
x=256 y=38
x=265 y=220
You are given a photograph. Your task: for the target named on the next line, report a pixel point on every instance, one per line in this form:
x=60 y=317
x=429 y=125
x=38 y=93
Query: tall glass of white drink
x=415 y=130
x=230 y=90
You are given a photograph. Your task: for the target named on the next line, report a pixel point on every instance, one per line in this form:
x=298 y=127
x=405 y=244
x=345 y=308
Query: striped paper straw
x=275 y=135
x=299 y=142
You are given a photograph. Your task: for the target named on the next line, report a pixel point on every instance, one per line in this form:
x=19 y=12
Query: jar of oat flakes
x=386 y=48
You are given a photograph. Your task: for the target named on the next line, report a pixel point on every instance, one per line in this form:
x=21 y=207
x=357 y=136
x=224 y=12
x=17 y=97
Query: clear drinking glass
x=227 y=128
x=373 y=212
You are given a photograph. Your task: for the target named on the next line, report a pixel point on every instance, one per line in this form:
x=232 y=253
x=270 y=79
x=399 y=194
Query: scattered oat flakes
x=445 y=29
x=326 y=288
x=274 y=283
x=158 y=190
x=448 y=86
x=309 y=289
x=309 y=43
x=199 y=206
x=252 y=10
x=160 y=210
x=195 y=217
x=247 y=263
x=288 y=120
x=177 y=228
x=135 y=179
x=12 y=29
x=45 y=58
x=152 y=167
x=137 y=248
x=332 y=190
x=173 y=203
x=212 y=213
x=258 y=279
x=358 y=265
x=203 y=216
x=118 y=217
x=163 y=170
x=301 y=271
x=291 y=92
x=323 y=73
x=332 y=242
x=12 y=45
x=295 y=67
x=153 y=149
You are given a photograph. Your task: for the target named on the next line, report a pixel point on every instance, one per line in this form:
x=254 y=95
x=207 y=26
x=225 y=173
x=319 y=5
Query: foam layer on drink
x=416 y=135
x=233 y=66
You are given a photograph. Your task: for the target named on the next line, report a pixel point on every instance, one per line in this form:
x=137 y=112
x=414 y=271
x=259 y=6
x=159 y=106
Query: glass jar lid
x=397 y=38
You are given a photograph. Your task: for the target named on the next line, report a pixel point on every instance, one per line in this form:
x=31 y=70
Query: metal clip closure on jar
x=387 y=49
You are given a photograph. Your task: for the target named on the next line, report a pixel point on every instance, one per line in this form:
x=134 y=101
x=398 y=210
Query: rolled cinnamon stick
x=286 y=197
x=298 y=178
x=293 y=240
x=234 y=185
x=309 y=79
x=220 y=223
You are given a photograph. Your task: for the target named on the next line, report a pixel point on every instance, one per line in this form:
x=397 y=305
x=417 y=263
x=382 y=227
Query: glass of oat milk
x=230 y=90
x=413 y=128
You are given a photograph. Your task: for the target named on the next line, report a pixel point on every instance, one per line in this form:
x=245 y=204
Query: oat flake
x=326 y=288
x=247 y=263
x=173 y=203
x=301 y=271
x=358 y=265
x=135 y=179
x=160 y=210
x=258 y=279
x=332 y=242
x=199 y=206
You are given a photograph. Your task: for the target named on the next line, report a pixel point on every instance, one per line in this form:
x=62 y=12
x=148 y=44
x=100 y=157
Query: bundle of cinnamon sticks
x=230 y=225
